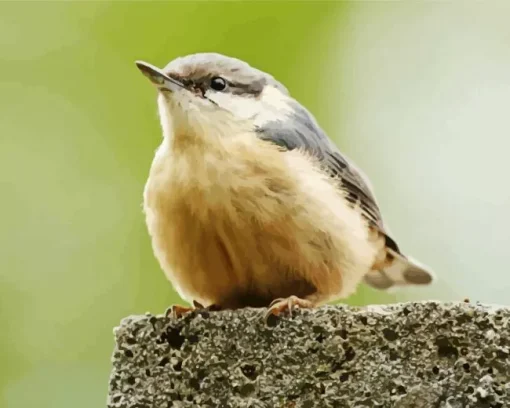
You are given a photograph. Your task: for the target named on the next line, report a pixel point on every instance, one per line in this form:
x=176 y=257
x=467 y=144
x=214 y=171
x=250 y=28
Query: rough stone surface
x=405 y=355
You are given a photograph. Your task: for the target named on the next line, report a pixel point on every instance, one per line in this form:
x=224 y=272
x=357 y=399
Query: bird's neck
x=197 y=160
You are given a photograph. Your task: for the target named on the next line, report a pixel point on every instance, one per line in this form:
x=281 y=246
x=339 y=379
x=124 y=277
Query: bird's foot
x=177 y=311
x=287 y=305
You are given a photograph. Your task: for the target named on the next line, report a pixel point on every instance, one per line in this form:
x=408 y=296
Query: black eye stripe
x=234 y=87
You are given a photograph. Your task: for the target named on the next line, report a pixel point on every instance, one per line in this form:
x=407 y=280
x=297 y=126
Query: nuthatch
x=249 y=203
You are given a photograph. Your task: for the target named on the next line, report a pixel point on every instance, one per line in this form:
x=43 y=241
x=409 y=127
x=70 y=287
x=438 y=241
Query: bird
x=249 y=203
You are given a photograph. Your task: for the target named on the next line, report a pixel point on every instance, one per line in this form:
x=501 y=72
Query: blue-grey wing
x=301 y=131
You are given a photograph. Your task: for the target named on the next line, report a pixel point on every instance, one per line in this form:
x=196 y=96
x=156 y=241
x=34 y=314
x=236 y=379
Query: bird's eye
x=218 y=84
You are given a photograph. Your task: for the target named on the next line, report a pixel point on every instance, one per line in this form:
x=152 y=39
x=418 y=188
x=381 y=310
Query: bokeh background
x=417 y=93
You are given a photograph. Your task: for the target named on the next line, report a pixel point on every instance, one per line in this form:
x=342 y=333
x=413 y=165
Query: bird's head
x=211 y=94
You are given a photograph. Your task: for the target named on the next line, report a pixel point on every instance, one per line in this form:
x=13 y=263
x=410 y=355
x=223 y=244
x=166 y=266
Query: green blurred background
x=416 y=93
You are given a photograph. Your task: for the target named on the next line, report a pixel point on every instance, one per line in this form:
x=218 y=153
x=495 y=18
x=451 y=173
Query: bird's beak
x=158 y=77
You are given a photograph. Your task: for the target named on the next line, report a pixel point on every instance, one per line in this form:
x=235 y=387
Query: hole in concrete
x=435 y=370
x=272 y=320
x=389 y=334
x=321 y=374
x=350 y=354
x=466 y=367
x=201 y=374
x=293 y=397
x=173 y=337
x=313 y=349
x=445 y=348
x=463 y=319
x=344 y=377
x=401 y=390
x=193 y=339
x=177 y=366
x=322 y=389
x=164 y=361
x=194 y=383
x=249 y=371
x=128 y=353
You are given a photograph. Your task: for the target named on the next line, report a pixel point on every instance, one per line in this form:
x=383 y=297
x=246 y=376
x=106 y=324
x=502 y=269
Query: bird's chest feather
x=255 y=223
x=205 y=212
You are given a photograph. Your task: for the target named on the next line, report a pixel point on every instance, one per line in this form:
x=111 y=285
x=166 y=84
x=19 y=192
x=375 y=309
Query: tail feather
x=401 y=271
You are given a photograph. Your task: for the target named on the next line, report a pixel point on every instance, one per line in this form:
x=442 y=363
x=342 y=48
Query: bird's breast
x=248 y=218
x=205 y=211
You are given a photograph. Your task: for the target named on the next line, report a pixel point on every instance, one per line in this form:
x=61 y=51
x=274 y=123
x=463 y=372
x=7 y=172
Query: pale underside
x=240 y=223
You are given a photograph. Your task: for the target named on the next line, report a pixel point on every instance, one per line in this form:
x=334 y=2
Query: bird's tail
x=400 y=271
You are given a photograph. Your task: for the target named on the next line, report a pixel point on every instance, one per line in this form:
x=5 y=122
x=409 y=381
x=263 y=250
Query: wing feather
x=301 y=131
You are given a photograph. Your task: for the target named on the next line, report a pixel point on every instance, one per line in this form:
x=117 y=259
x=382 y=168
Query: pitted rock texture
x=405 y=355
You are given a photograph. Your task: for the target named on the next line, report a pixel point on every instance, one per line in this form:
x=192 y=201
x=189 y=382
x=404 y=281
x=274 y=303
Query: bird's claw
x=177 y=311
x=282 y=305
